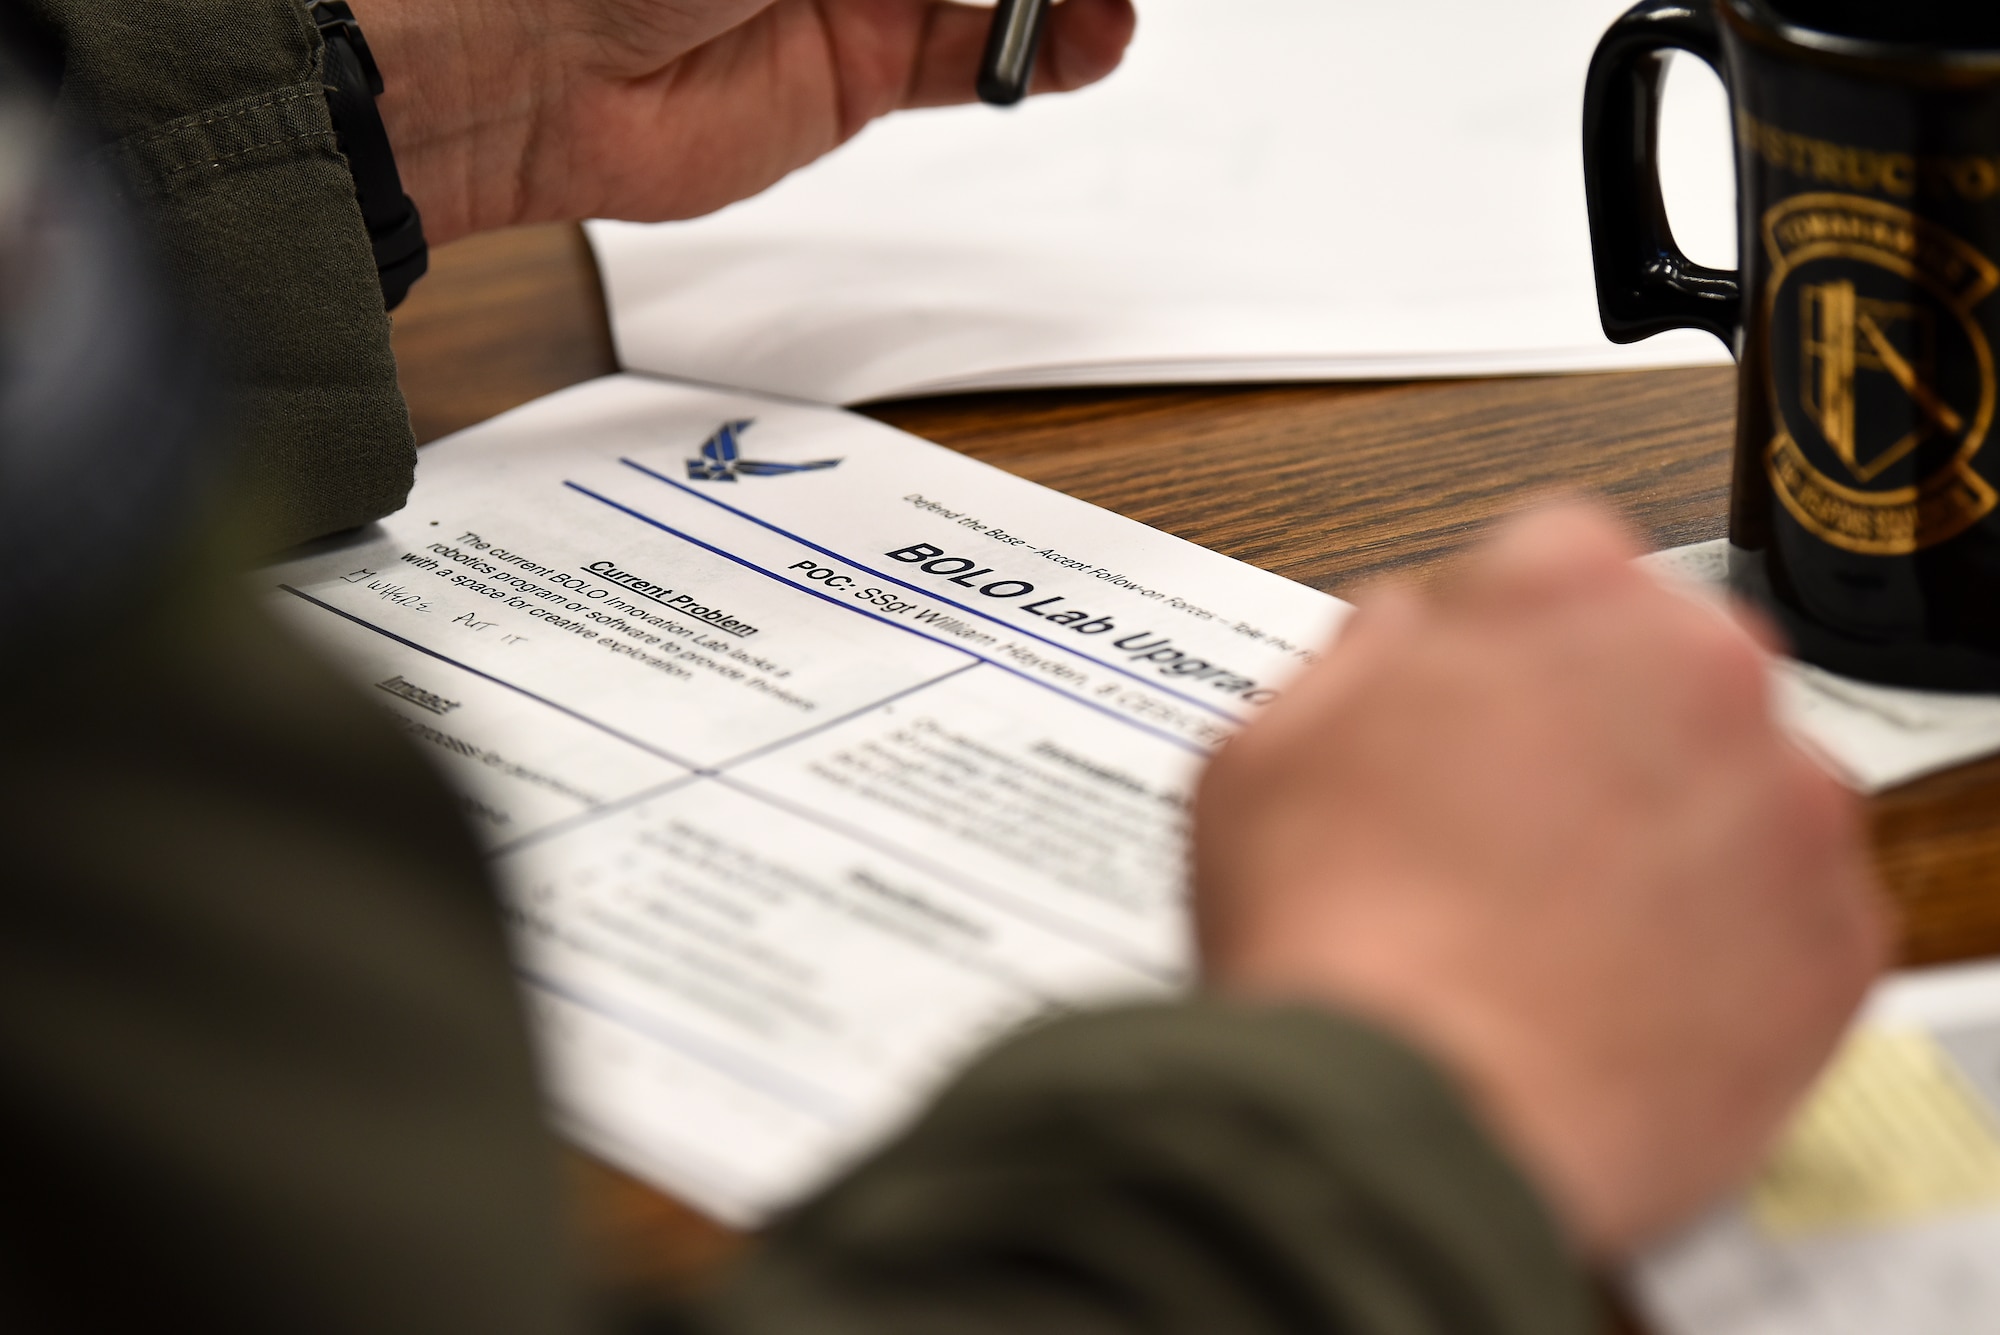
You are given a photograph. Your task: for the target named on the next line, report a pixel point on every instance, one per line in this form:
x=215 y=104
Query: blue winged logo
x=722 y=458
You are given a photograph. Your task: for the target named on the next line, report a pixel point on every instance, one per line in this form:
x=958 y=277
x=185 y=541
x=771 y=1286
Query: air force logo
x=722 y=458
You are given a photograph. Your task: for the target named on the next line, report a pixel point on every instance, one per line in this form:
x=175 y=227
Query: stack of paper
x=1268 y=189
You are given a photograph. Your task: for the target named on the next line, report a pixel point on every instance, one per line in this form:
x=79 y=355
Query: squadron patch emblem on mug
x=1882 y=380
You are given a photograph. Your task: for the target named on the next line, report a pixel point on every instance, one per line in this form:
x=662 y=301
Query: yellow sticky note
x=1894 y=1132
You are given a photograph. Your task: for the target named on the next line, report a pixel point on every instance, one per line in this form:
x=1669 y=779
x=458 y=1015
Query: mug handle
x=1645 y=285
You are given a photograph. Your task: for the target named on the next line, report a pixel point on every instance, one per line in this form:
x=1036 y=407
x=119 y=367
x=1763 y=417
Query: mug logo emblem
x=1882 y=376
x=1844 y=335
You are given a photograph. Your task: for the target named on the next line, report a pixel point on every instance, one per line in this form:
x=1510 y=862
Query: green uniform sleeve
x=264 y=1060
x=1198 y=1168
x=212 y=115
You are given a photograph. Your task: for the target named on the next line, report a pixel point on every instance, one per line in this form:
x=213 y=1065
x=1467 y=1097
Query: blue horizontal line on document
x=1148 y=682
x=1012 y=671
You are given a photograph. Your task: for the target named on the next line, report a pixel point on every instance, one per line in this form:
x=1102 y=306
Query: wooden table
x=1331 y=485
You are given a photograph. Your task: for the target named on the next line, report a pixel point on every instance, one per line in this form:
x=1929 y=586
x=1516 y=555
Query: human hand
x=512 y=111
x=1543 y=824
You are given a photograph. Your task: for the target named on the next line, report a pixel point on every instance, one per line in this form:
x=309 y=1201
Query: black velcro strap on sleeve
x=352 y=83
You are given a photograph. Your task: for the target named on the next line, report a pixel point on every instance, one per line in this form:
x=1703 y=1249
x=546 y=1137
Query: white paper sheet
x=1874 y=737
x=1267 y=190
x=1934 y=1273
x=797 y=789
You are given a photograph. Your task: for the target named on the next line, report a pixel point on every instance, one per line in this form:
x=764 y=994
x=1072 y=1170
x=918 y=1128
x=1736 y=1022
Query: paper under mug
x=1864 y=316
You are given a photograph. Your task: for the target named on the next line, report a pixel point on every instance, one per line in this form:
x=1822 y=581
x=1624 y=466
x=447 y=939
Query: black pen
x=1009 y=62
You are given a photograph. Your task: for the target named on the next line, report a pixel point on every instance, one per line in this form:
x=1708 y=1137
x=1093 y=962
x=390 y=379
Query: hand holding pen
x=608 y=109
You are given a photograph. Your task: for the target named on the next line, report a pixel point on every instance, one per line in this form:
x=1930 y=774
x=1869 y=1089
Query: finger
x=1388 y=616
x=1385 y=611
x=1083 y=41
x=1558 y=549
x=1829 y=825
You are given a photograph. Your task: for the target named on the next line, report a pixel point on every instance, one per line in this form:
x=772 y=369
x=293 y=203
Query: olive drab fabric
x=210 y=112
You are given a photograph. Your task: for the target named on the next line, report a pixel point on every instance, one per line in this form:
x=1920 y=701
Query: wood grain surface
x=1331 y=485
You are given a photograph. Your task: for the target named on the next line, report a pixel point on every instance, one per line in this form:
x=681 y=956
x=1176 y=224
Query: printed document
x=1880 y=1210
x=811 y=756
x=1265 y=190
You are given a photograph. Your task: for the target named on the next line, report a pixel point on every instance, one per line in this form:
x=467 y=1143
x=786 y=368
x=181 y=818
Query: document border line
x=768 y=748
x=581 y=819
x=1057 y=923
x=1044 y=919
x=577 y=820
